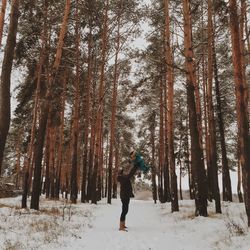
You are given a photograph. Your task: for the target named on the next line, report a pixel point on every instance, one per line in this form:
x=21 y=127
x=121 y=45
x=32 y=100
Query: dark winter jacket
x=126 y=191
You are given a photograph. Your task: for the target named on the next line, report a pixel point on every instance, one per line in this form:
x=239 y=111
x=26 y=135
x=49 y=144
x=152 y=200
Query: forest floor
x=59 y=225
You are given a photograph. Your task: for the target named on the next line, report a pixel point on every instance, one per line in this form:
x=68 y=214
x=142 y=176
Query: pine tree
x=38 y=151
x=6 y=78
x=198 y=170
x=241 y=104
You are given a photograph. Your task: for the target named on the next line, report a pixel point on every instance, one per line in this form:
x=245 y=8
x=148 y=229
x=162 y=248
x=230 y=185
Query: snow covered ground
x=60 y=225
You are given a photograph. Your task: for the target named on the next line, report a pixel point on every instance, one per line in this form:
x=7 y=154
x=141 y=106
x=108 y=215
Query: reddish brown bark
x=5 y=80
x=241 y=104
x=198 y=170
x=99 y=110
x=170 y=109
x=87 y=115
x=211 y=122
x=45 y=111
x=75 y=130
x=113 y=111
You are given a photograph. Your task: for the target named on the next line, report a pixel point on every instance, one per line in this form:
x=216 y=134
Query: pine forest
x=84 y=84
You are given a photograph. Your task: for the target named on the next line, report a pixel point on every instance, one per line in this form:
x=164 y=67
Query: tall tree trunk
x=170 y=109
x=241 y=104
x=211 y=121
x=87 y=115
x=179 y=161
x=91 y=155
x=2 y=16
x=106 y=169
x=198 y=170
x=100 y=167
x=6 y=78
x=117 y=161
x=188 y=161
x=47 y=158
x=61 y=139
x=226 y=180
x=75 y=130
x=152 y=131
x=52 y=161
x=99 y=110
x=44 y=114
x=113 y=112
x=161 y=145
x=38 y=155
x=166 y=194
x=28 y=162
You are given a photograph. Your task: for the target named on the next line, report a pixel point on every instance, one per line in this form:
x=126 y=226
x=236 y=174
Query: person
x=126 y=193
x=138 y=160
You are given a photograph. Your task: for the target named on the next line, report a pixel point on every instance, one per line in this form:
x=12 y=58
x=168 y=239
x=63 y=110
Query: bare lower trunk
x=6 y=78
x=211 y=120
x=226 y=180
x=44 y=114
x=241 y=104
x=198 y=170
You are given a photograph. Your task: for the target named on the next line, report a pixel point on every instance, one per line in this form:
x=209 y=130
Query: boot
x=122 y=226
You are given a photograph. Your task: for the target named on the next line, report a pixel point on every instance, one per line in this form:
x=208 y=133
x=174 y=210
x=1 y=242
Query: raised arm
x=132 y=171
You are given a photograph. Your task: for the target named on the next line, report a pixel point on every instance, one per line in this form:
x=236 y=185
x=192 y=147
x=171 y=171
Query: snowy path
x=143 y=224
x=151 y=227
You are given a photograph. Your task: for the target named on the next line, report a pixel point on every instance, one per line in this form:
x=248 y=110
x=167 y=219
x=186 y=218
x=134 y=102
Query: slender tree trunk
x=239 y=183
x=100 y=167
x=106 y=169
x=100 y=107
x=188 y=161
x=198 y=170
x=167 y=194
x=117 y=161
x=52 y=162
x=113 y=112
x=28 y=166
x=47 y=158
x=180 y=183
x=179 y=161
x=2 y=16
x=152 y=131
x=61 y=140
x=75 y=130
x=91 y=155
x=44 y=114
x=211 y=121
x=161 y=144
x=38 y=155
x=170 y=108
x=87 y=115
x=207 y=141
x=6 y=78
x=241 y=104
x=226 y=180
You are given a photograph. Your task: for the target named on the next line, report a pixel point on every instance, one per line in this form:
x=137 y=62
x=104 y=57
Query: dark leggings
x=125 y=203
